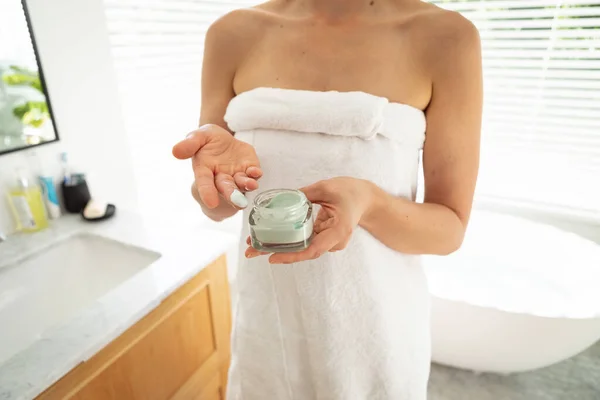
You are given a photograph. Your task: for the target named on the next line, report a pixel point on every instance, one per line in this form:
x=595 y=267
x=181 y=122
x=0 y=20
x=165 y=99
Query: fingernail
x=239 y=199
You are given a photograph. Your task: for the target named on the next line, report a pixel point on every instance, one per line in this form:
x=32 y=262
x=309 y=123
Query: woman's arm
x=450 y=154
x=223 y=50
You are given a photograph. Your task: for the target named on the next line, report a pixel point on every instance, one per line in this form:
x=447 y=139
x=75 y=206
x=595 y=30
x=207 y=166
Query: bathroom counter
x=185 y=249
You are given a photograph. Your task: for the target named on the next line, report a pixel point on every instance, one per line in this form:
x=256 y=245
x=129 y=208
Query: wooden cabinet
x=180 y=350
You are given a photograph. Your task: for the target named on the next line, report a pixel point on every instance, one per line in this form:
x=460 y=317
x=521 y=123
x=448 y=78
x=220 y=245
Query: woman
x=333 y=96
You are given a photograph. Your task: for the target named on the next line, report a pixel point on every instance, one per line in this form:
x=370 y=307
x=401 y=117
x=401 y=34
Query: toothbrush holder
x=76 y=196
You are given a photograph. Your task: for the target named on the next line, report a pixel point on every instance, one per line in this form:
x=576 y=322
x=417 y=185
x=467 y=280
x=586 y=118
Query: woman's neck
x=335 y=9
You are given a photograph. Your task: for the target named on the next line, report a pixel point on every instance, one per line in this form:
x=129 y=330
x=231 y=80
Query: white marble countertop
x=185 y=249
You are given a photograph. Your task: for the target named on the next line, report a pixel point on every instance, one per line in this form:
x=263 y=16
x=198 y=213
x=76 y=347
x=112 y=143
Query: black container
x=76 y=196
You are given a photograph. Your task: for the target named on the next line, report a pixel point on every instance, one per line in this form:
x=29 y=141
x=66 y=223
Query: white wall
x=72 y=39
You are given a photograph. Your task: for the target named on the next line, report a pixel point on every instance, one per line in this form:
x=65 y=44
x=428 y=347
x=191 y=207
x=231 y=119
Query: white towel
x=358 y=114
x=351 y=325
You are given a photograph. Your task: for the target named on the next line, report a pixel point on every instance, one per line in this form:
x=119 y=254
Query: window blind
x=157 y=46
x=541 y=128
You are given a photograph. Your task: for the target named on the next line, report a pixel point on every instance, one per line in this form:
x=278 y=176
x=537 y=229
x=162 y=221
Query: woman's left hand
x=343 y=203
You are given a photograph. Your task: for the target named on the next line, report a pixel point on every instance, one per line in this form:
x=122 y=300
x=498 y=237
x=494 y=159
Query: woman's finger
x=244 y=183
x=321 y=244
x=205 y=185
x=226 y=185
x=323 y=222
x=192 y=143
x=254 y=172
x=341 y=245
x=251 y=252
x=317 y=192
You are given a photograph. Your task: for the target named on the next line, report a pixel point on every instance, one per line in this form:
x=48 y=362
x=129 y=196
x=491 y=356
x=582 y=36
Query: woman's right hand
x=224 y=167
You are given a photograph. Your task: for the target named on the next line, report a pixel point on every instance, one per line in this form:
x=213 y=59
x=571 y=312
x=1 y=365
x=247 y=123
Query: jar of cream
x=281 y=220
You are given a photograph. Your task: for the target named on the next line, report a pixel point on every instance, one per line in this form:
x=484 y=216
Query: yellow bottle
x=27 y=205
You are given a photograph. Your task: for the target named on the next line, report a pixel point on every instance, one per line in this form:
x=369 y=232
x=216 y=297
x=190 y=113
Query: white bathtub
x=518 y=296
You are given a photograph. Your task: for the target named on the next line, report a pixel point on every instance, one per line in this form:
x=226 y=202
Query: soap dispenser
x=27 y=205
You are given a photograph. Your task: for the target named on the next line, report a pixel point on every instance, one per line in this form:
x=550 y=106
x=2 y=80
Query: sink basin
x=53 y=285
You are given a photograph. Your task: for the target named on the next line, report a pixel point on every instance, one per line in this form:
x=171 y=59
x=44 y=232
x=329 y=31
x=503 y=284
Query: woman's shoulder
x=437 y=24
x=242 y=22
x=441 y=35
x=230 y=37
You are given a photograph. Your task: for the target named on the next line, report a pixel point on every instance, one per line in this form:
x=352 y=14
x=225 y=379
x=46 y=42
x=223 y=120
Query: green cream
x=283 y=200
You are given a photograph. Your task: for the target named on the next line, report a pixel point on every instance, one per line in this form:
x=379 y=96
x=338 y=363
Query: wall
x=72 y=39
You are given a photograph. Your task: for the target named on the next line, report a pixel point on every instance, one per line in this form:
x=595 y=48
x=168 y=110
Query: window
x=541 y=130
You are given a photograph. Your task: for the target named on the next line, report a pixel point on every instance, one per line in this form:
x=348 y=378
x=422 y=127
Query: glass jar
x=281 y=220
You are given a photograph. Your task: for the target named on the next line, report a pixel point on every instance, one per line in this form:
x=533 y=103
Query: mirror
x=25 y=111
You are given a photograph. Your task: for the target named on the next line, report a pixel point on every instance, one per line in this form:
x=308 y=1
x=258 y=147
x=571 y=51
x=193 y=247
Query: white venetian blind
x=157 y=47
x=541 y=131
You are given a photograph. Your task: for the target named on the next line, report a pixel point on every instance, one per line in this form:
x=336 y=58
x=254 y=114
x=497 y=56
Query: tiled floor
x=574 y=379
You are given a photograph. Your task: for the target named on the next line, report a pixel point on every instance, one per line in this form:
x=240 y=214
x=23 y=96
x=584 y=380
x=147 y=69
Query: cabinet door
x=178 y=351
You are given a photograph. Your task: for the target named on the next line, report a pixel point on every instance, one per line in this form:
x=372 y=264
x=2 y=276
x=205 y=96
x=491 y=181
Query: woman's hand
x=343 y=203
x=223 y=166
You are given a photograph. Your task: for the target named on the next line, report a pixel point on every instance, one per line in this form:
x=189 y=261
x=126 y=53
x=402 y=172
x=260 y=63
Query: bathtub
x=518 y=296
